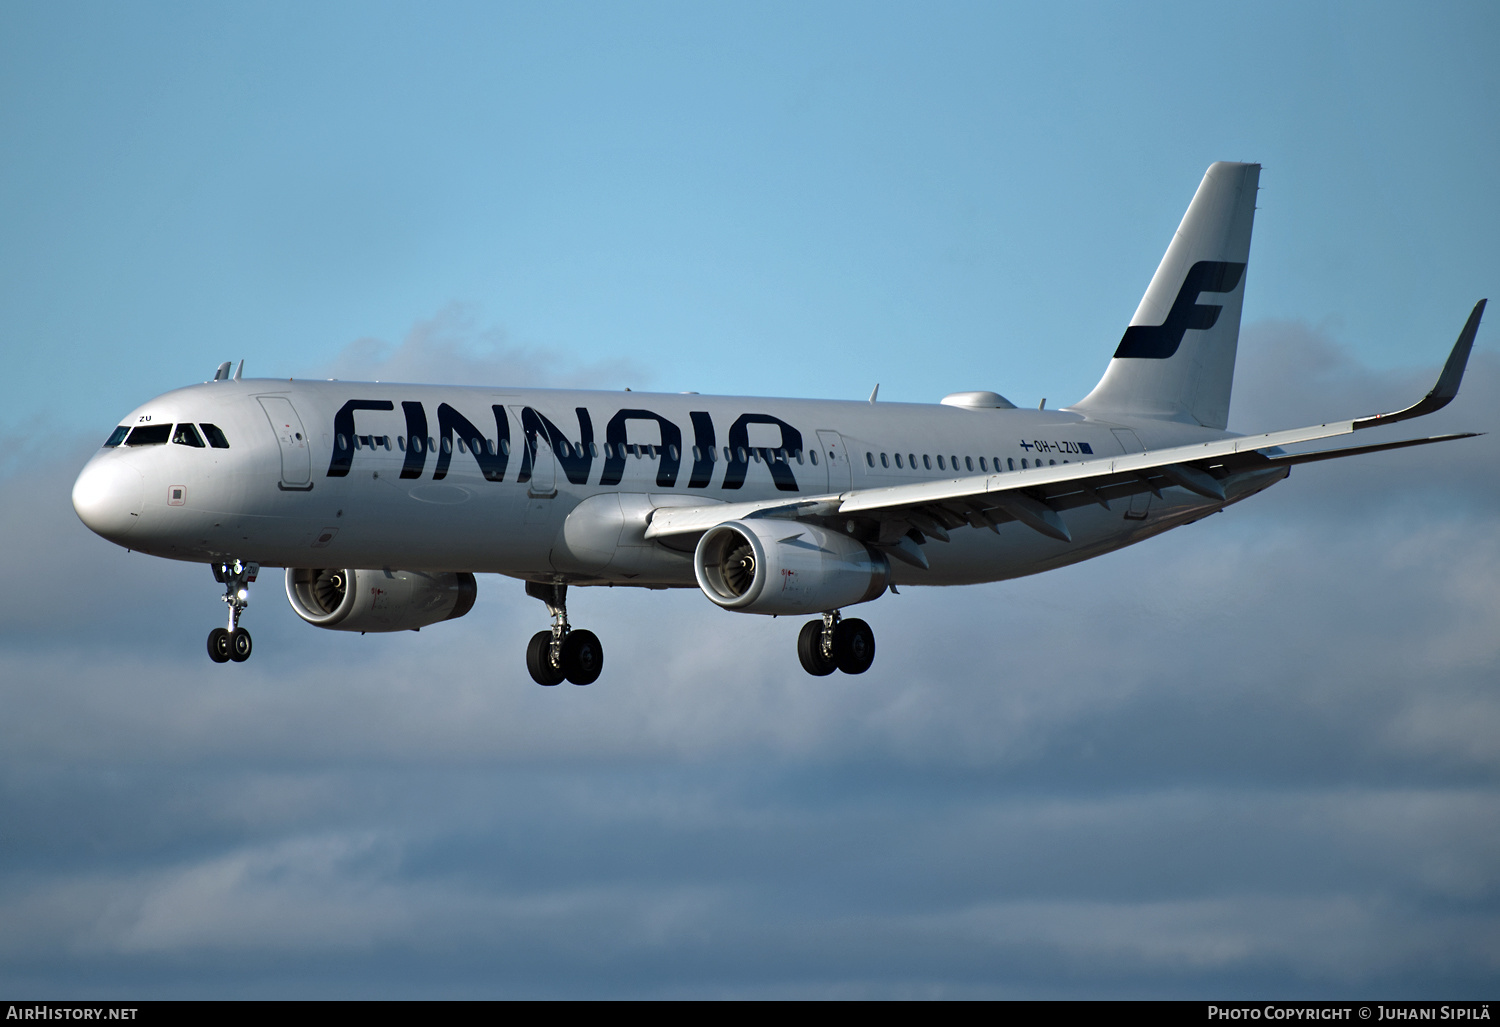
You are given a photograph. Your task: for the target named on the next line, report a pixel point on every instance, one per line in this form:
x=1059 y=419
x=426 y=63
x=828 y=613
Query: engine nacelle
x=773 y=566
x=361 y=600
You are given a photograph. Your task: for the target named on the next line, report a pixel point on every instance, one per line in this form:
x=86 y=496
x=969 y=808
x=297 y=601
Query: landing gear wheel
x=539 y=660
x=239 y=645
x=853 y=646
x=218 y=645
x=810 y=650
x=582 y=657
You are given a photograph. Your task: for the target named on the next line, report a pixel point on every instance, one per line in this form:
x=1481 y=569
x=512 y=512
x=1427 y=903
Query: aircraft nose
x=107 y=497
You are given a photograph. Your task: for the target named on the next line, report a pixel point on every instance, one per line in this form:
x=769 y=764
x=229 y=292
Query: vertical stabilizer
x=1176 y=360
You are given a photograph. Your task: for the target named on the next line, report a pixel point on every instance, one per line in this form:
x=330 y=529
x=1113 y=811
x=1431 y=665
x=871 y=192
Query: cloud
x=1257 y=756
x=451 y=347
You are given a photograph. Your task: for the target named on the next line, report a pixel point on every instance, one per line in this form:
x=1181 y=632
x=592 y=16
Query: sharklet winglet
x=1447 y=384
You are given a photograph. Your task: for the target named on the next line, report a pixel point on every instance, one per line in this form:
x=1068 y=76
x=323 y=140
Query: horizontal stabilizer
x=1287 y=459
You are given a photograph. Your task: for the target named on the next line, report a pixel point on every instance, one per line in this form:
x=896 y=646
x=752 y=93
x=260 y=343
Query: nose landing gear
x=562 y=653
x=233 y=642
x=833 y=643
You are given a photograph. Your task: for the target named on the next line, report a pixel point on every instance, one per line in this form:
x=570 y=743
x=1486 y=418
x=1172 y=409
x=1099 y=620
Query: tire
x=810 y=650
x=239 y=646
x=582 y=657
x=539 y=660
x=853 y=646
x=218 y=645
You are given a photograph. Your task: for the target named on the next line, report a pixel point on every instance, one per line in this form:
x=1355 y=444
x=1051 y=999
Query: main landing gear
x=562 y=653
x=836 y=644
x=233 y=642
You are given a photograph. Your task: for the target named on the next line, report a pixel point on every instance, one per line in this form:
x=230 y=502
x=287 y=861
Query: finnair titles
x=382 y=502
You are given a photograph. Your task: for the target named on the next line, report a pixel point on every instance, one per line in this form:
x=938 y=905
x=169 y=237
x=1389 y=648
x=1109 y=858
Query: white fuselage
x=375 y=475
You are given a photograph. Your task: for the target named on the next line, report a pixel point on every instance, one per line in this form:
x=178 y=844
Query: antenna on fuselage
x=874 y=392
x=222 y=374
x=239 y=370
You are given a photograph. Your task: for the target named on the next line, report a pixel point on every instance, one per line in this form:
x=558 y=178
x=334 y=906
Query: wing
x=907 y=515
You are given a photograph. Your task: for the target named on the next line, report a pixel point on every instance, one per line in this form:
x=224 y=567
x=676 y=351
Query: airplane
x=383 y=501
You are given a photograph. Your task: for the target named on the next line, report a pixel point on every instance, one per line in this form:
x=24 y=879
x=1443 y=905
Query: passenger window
x=955 y=462
x=911 y=460
x=1010 y=463
x=187 y=435
x=149 y=435
x=941 y=466
x=927 y=461
x=869 y=458
x=898 y=459
x=401 y=443
x=1024 y=464
x=885 y=461
x=505 y=447
x=1051 y=463
x=969 y=463
x=982 y=467
x=812 y=455
x=117 y=436
x=215 y=437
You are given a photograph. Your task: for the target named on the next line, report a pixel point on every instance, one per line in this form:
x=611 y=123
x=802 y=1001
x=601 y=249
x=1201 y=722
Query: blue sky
x=1257 y=756
x=762 y=199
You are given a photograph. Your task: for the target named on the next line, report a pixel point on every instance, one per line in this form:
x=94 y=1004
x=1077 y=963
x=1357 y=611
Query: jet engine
x=363 y=600
x=773 y=566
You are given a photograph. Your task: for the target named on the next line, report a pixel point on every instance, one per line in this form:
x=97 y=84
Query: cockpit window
x=187 y=435
x=117 y=436
x=149 y=435
x=215 y=437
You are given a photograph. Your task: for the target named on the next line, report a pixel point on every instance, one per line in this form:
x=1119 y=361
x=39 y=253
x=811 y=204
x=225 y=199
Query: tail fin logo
x=1158 y=342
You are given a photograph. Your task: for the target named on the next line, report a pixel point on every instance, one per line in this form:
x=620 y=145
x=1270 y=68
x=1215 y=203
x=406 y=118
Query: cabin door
x=296 y=456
